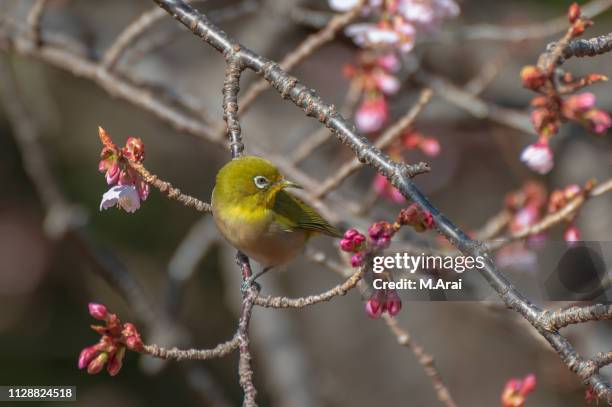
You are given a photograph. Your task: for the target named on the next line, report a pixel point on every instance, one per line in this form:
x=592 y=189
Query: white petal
x=342 y=5
x=377 y=36
x=417 y=12
x=124 y=196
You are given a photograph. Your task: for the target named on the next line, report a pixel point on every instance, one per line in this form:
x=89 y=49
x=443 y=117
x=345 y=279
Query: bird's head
x=250 y=180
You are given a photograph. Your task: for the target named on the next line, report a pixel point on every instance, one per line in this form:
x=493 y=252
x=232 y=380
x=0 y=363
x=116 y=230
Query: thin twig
x=388 y=137
x=322 y=134
x=285 y=302
x=305 y=49
x=167 y=189
x=527 y=32
x=219 y=351
x=135 y=30
x=34 y=21
x=231 y=87
x=424 y=359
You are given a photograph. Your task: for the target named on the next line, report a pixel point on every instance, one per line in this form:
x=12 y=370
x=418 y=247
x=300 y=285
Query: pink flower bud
x=98 y=311
x=112 y=174
x=352 y=241
x=389 y=61
x=571 y=191
x=96 y=365
x=532 y=77
x=598 y=121
x=529 y=384
x=373 y=308
x=87 y=356
x=393 y=306
x=430 y=146
x=573 y=13
x=524 y=218
x=116 y=362
x=571 y=234
x=579 y=103
x=380 y=230
x=371 y=115
x=357 y=259
x=134 y=149
x=538 y=157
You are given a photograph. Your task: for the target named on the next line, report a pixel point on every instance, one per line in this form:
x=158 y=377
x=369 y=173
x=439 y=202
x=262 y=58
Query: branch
x=529 y=31
x=34 y=19
x=322 y=134
x=245 y=370
x=585 y=48
x=388 y=137
x=554 y=218
x=167 y=189
x=176 y=354
x=231 y=86
x=135 y=30
x=576 y=315
x=424 y=359
x=284 y=302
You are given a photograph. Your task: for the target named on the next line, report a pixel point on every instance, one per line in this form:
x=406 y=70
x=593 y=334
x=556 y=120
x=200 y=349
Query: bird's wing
x=292 y=213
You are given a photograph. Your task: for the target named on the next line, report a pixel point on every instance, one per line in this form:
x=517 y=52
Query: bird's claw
x=247 y=283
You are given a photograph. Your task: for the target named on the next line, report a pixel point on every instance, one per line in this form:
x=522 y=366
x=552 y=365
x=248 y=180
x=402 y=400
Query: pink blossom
x=388 y=84
x=524 y=218
x=371 y=115
x=538 y=156
x=389 y=62
x=598 y=121
x=400 y=34
x=579 y=103
x=516 y=390
x=383 y=187
x=571 y=234
x=430 y=146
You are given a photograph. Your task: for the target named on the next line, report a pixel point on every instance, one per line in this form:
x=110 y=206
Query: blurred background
x=184 y=284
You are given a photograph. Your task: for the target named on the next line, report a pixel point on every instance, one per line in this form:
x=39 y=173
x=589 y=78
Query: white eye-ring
x=261 y=182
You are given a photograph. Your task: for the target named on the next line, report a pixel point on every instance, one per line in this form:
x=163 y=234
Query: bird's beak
x=289 y=184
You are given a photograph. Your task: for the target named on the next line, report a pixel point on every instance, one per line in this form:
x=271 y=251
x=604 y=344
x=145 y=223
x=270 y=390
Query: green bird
x=256 y=215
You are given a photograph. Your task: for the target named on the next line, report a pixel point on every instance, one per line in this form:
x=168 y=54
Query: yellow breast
x=255 y=233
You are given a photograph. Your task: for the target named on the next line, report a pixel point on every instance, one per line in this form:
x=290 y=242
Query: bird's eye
x=261 y=182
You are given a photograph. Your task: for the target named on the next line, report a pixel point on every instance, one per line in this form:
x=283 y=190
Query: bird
x=256 y=214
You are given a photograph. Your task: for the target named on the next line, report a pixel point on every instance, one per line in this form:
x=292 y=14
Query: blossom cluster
x=128 y=188
x=397 y=22
x=555 y=105
x=516 y=391
x=115 y=339
x=529 y=204
x=379 y=238
x=373 y=76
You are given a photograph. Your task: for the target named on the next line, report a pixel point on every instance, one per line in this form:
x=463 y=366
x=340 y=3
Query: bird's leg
x=251 y=280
